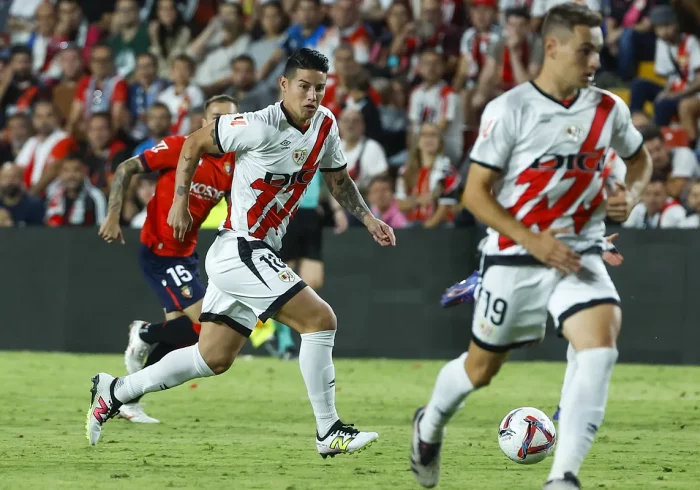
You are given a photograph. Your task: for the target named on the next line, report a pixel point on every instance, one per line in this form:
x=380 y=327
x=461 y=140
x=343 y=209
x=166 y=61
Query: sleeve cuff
x=334 y=169
x=144 y=163
x=487 y=165
x=216 y=136
x=635 y=152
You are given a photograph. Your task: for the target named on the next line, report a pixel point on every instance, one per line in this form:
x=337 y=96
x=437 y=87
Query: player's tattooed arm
x=120 y=183
x=344 y=190
x=200 y=142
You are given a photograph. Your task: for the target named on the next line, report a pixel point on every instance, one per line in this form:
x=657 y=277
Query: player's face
x=303 y=93
x=158 y=122
x=658 y=152
x=218 y=109
x=578 y=56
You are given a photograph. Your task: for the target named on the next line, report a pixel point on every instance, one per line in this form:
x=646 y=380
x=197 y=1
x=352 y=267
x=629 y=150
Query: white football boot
x=103 y=405
x=425 y=457
x=344 y=439
x=137 y=351
x=133 y=412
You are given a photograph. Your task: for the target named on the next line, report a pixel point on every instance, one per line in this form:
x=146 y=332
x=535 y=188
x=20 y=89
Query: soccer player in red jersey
x=171 y=267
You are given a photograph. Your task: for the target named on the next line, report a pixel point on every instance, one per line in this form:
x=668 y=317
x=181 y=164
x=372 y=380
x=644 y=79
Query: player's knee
x=218 y=360
x=322 y=319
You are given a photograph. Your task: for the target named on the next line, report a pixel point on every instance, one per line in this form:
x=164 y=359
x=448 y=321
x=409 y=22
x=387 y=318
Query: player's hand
x=550 y=251
x=341 y=221
x=613 y=258
x=180 y=219
x=619 y=204
x=382 y=233
x=110 y=229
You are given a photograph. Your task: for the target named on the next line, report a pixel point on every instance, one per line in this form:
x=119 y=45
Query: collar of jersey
x=288 y=117
x=557 y=101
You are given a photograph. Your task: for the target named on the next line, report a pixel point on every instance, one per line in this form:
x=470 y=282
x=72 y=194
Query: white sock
x=570 y=370
x=316 y=364
x=583 y=408
x=451 y=389
x=174 y=369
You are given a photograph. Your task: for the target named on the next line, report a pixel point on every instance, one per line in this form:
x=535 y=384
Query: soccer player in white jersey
x=278 y=151
x=537 y=181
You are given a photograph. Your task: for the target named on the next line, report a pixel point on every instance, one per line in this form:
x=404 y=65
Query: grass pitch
x=253 y=428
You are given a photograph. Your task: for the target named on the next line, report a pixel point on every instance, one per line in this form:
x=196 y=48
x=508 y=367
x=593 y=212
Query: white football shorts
x=247 y=281
x=516 y=292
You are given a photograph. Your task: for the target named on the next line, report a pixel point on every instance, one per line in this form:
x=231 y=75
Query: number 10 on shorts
x=179 y=274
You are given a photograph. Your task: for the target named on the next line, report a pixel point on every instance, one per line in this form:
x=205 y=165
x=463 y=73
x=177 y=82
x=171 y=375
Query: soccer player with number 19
x=538 y=182
x=278 y=151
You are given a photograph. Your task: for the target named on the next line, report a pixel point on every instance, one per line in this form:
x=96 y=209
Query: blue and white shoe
x=460 y=292
x=555 y=417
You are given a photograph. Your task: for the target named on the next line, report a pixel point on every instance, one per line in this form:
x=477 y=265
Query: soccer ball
x=526 y=435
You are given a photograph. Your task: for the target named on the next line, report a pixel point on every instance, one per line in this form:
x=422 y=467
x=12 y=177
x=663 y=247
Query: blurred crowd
x=86 y=84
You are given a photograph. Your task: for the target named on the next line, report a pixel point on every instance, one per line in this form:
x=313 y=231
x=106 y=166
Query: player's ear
x=551 y=46
x=284 y=83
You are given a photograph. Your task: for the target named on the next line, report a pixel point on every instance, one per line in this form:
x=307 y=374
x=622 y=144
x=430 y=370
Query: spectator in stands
x=516 y=58
x=250 y=94
x=169 y=36
x=70 y=62
x=434 y=102
x=145 y=189
x=383 y=202
x=102 y=152
x=103 y=91
x=306 y=33
x=42 y=43
x=6 y=219
x=395 y=123
x=270 y=35
x=360 y=96
x=182 y=94
x=657 y=209
x=214 y=71
x=435 y=35
x=159 y=120
x=144 y=92
x=474 y=48
x=629 y=36
x=19 y=88
x=130 y=38
x=24 y=210
x=675 y=166
x=677 y=59
x=365 y=156
x=19 y=130
x=196 y=117
x=392 y=52
x=43 y=151
x=21 y=16
x=640 y=119
x=347 y=28
x=692 y=218
x=75 y=201
x=74 y=28
x=425 y=187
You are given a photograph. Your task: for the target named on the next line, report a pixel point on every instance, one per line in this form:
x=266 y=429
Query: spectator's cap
x=485 y=3
x=663 y=15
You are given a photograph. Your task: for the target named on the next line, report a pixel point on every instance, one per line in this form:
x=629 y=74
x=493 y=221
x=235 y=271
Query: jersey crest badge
x=286 y=275
x=186 y=291
x=299 y=156
x=574 y=133
x=228 y=168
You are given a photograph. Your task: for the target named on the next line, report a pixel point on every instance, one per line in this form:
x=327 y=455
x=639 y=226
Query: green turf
x=252 y=428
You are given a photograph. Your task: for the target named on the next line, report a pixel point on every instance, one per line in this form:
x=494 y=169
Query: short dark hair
x=186 y=59
x=44 y=102
x=521 y=12
x=305 y=59
x=102 y=46
x=651 y=132
x=658 y=179
x=160 y=105
x=148 y=54
x=243 y=57
x=20 y=49
x=220 y=98
x=569 y=15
